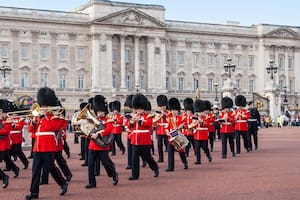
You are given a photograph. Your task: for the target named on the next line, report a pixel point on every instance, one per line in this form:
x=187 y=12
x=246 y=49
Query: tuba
x=90 y=124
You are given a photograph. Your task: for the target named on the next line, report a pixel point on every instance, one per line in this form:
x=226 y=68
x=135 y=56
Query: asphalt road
x=271 y=172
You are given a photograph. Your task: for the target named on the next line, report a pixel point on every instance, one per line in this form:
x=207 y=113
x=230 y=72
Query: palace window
x=114 y=81
x=141 y=56
x=196 y=57
x=24 y=80
x=167 y=58
x=128 y=82
x=210 y=60
x=127 y=56
x=4 y=51
x=281 y=62
x=196 y=84
x=43 y=52
x=62 y=81
x=142 y=82
x=251 y=62
x=290 y=62
x=44 y=79
x=80 y=54
x=62 y=53
x=167 y=83
x=80 y=81
x=251 y=86
x=238 y=83
x=180 y=57
x=181 y=83
x=209 y=84
x=24 y=51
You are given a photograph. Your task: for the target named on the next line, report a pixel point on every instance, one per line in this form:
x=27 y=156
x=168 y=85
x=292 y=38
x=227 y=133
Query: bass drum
x=178 y=141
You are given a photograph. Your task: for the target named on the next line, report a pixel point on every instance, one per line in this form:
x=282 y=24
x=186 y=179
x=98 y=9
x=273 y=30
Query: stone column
x=136 y=60
x=163 y=66
x=15 y=54
x=72 y=60
x=150 y=63
x=95 y=62
x=53 y=60
x=35 y=56
x=123 y=66
x=108 y=65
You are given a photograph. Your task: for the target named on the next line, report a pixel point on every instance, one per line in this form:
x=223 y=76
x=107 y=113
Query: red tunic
x=141 y=131
x=45 y=128
x=162 y=123
x=106 y=131
x=17 y=130
x=175 y=123
x=211 y=120
x=128 y=129
x=227 y=122
x=201 y=130
x=4 y=135
x=117 y=124
x=188 y=121
x=241 y=119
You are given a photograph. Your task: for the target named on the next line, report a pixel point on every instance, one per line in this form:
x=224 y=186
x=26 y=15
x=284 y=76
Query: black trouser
x=226 y=136
x=44 y=160
x=62 y=163
x=16 y=149
x=129 y=153
x=252 y=132
x=8 y=162
x=171 y=151
x=2 y=175
x=94 y=157
x=212 y=137
x=161 y=141
x=238 y=135
x=204 y=145
x=190 y=145
x=144 y=152
x=118 y=140
x=76 y=141
x=86 y=149
x=32 y=144
x=82 y=147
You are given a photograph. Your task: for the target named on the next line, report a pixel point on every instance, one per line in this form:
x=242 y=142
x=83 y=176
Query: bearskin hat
x=199 y=105
x=82 y=105
x=139 y=101
x=174 y=104
x=207 y=105
x=91 y=103
x=116 y=105
x=162 y=100
x=99 y=103
x=148 y=106
x=128 y=101
x=188 y=104
x=240 y=100
x=226 y=102
x=110 y=106
x=46 y=97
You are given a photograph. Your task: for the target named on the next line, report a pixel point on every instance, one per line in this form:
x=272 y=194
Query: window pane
x=251 y=86
x=167 y=57
x=62 y=53
x=62 y=81
x=114 y=56
x=141 y=56
x=196 y=83
x=180 y=58
x=24 y=51
x=44 y=79
x=127 y=55
x=80 y=54
x=24 y=80
x=181 y=84
x=114 y=81
x=4 y=50
x=209 y=85
x=80 y=81
x=44 y=53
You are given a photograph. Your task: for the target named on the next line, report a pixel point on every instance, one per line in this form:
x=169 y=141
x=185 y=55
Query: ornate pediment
x=63 y=69
x=130 y=17
x=24 y=68
x=284 y=33
x=44 y=69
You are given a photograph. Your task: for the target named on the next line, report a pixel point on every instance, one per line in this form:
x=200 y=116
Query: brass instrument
x=194 y=123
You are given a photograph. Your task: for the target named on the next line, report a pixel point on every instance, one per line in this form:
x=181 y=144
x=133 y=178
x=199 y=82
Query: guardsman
x=211 y=124
x=16 y=136
x=226 y=120
x=82 y=136
x=161 y=124
x=100 y=153
x=141 y=126
x=175 y=123
x=253 y=124
x=117 y=122
x=128 y=113
x=188 y=132
x=45 y=146
x=201 y=130
x=241 y=116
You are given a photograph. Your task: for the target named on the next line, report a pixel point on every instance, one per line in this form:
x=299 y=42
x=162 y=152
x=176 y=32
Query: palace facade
x=115 y=49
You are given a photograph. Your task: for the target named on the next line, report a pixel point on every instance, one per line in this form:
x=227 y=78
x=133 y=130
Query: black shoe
x=15 y=158
x=156 y=172
x=256 y=147
x=209 y=159
x=5 y=181
x=17 y=173
x=31 y=196
x=81 y=158
x=88 y=186
x=212 y=149
x=116 y=179
x=44 y=183
x=233 y=154
x=64 y=188
x=26 y=165
x=131 y=178
x=197 y=163
x=128 y=167
x=6 y=170
x=69 y=178
x=144 y=164
x=30 y=157
x=160 y=161
x=248 y=150
x=186 y=166
x=223 y=156
x=84 y=165
x=169 y=170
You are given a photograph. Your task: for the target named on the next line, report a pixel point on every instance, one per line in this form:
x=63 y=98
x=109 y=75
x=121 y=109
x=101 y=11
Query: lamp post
x=285 y=101
x=272 y=69
x=5 y=69
x=216 y=89
x=137 y=86
x=229 y=67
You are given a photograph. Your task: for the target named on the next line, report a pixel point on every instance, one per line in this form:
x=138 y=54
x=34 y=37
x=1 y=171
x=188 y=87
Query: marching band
x=177 y=130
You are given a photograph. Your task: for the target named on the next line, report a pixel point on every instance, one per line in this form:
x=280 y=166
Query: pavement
x=270 y=172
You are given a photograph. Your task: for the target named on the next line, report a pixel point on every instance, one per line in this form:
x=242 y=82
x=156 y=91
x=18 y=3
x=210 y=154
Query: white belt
x=115 y=125
x=163 y=124
x=17 y=131
x=44 y=133
x=227 y=123
x=241 y=120
x=141 y=131
x=201 y=128
x=252 y=120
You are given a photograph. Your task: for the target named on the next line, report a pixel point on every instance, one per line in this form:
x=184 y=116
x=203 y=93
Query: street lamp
x=216 y=89
x=285 y=101
x=137 y=86
x=272 y=69
x=229 y=67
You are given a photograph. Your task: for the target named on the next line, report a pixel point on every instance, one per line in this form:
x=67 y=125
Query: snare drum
x=178 y=140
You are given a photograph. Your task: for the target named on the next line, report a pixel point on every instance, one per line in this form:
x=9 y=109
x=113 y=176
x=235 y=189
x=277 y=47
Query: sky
x=247 y=13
